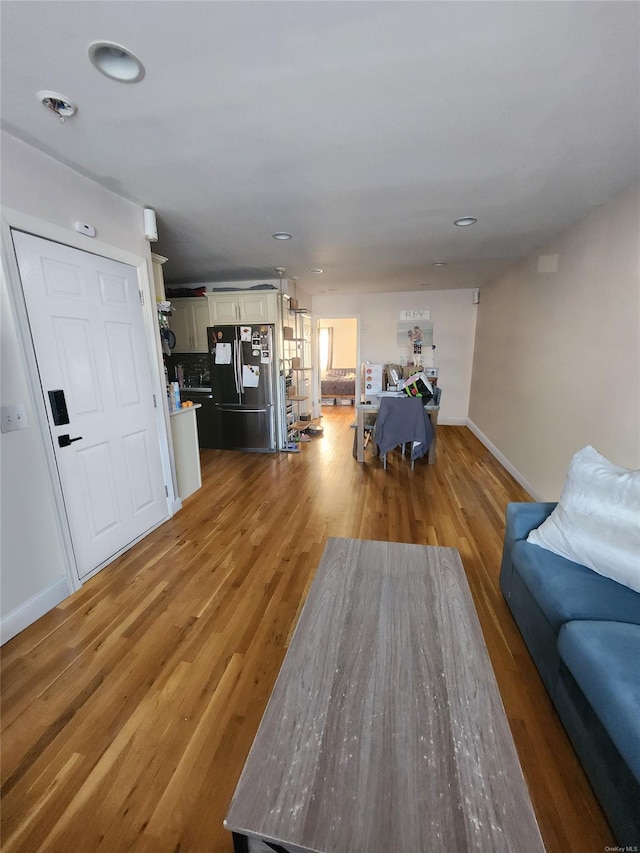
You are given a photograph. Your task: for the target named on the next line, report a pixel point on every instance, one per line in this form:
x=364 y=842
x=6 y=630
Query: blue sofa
x=583 y=633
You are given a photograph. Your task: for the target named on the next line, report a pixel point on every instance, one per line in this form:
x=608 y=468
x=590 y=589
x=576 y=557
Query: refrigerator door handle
x=238 y=365
x=244 y=410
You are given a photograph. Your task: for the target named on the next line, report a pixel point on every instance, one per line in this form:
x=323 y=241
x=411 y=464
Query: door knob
x=65 y=440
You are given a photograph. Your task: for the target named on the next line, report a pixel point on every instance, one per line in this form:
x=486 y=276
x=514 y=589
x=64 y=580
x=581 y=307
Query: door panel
x=112 y=289
x=77 y=365
x=88 y=332
x=62 y=280
x=139 y=470
x=180 y=323
x=223 y=309
x=200 y=308
x=263 y=393
x=253 y=308
x=241 y=429
x=223 y=377
x=98 y=489
x=122 y=354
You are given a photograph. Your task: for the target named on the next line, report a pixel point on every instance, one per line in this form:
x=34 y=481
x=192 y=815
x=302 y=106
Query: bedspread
x=339 y=382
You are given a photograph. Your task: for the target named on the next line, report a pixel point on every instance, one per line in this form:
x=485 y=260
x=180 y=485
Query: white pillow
x=597 y=520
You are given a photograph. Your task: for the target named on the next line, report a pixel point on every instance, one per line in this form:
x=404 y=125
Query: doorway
x=338 y=361
x=87 y=327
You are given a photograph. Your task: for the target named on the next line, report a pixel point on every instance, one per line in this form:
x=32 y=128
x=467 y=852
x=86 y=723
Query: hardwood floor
x=128 y=711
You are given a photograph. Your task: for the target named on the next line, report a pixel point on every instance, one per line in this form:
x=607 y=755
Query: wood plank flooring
x=128 y=711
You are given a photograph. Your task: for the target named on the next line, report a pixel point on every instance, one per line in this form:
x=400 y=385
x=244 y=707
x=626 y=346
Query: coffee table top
x=385 y=730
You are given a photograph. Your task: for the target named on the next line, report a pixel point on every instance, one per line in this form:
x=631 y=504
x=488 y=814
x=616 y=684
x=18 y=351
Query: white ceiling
x=362 y=128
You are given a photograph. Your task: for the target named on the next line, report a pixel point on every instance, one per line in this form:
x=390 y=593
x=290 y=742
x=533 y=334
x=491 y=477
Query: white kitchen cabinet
x=189 y=322
x=184 y=435
x=158 y=279
x=246 y=307
x=258 y=307
x=192 y=315
x=223 y=309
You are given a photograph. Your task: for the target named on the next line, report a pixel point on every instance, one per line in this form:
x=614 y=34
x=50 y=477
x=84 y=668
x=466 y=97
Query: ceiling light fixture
x=281 y=271
x=281 y=235
x=317 y=271
x=116 y=62
x=58 y=104
x=465 y=220
x=439 y=264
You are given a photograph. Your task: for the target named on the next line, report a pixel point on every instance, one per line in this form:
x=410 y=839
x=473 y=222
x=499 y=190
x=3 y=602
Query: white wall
x=454 y=319
x=557 y=355
x=32 y=569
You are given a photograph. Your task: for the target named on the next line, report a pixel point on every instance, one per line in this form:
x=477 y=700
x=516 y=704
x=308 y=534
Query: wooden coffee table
x=385 y=731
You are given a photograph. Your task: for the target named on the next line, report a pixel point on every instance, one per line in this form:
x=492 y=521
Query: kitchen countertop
x=181 y=410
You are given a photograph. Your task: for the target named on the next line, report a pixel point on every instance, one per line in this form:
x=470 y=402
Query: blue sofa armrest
x=522 y=518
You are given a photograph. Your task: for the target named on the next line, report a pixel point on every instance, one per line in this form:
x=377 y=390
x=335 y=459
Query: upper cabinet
x=250 y=307
x=158 y=278
x=189 y=322
x=192 y=315
x=223 y=309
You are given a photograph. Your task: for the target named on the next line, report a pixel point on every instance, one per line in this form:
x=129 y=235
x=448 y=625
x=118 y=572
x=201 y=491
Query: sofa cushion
x=597 y=520
x=604 y=659
x=566 y=590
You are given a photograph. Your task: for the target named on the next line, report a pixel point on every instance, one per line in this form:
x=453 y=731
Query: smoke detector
x=58 y=104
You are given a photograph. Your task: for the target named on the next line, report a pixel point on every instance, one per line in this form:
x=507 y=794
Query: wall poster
x=415 y=333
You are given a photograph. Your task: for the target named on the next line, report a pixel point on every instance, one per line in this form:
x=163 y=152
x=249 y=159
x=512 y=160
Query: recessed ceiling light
x=281 y=235
x=465 y=220
x=115 y=61
x=439 y=264
x=58 y=104
x=317 y=272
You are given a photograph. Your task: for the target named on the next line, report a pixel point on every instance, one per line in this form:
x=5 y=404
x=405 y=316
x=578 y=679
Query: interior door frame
x=16 y=220
x=326 y=315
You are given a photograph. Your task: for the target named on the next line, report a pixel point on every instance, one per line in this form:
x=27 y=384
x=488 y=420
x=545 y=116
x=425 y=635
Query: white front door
x=88 y=333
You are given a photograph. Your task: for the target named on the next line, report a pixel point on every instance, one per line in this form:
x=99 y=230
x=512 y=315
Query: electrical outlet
x=13 y=417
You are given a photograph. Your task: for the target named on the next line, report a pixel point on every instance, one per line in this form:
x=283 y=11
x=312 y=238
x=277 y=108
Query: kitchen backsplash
x=195 y=368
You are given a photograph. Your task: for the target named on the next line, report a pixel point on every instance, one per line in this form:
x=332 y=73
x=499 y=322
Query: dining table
x=366 y=414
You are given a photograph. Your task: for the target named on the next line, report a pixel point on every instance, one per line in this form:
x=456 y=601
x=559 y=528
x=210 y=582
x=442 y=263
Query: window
x=325 y=344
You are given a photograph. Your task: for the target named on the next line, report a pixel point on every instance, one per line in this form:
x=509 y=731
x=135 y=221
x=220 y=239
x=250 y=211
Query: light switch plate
x=13 y=417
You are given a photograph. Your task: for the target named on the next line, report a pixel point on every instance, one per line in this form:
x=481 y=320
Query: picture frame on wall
x=412 y=333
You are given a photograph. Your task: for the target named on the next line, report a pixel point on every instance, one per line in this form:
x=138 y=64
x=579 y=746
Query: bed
x=339 y=383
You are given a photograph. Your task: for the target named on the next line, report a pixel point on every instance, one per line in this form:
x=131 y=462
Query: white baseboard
x=503 y=460
x=33 y=608
x=452 y=421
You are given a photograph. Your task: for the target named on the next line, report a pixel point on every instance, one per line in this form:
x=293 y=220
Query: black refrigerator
x=243 y=376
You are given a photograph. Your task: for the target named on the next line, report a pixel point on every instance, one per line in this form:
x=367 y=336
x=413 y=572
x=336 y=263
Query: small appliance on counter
x=372 y=379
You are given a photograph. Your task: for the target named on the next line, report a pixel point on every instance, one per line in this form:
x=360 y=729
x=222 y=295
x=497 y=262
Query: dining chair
x=403 y=420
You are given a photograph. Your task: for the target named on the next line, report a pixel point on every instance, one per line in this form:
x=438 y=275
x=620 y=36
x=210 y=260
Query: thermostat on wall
x=85 y=228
